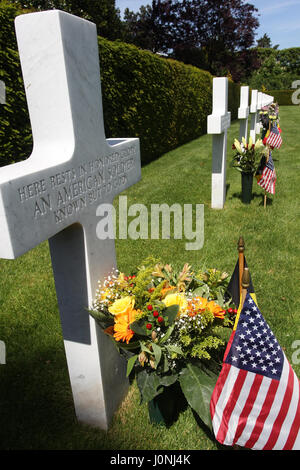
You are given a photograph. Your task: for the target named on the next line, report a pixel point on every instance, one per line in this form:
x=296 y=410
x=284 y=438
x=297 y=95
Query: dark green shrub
x=282 y=97
x=15 y=131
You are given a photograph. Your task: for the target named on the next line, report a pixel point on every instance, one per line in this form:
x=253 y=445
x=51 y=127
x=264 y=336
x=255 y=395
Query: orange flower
x=197 y=305
x=122 y=332
x=109 y=330
x=216 y=310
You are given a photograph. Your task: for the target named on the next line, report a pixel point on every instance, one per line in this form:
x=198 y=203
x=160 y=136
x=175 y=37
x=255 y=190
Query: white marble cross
x=259 y=106
x=217 y=124
x=243 y=112
x=267 y=99
x=54 y=194
x=253 y=112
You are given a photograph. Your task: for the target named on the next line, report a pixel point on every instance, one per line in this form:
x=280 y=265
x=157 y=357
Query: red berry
x=235 y=310
x=125 y=278
x=160 y=319
x=155 y=313
x=149 y=326
x=230 y=310
x=149 y=307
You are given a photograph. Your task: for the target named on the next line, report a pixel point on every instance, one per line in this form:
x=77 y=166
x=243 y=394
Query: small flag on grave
x=273 y=138
x=267 y=179
x=256 y=400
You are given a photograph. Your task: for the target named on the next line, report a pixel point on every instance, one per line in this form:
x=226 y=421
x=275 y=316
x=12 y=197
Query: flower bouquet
x=269 y=117
x=247 y=158
x=172 y=328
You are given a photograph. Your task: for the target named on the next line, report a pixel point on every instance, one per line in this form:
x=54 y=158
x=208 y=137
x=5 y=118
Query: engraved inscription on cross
x=217 y=124
x=55 y=193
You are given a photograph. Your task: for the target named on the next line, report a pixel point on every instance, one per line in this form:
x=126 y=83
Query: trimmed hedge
x=163 y=102
x=283 y=97
x=15 y=131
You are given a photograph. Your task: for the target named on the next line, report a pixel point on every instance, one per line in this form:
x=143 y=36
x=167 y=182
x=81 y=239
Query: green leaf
x=202 y=291
x=151 y=384
x=157 y=353
x=175 y=349
x=197 y=383
x=171 y=312
x=139 y=327
x=130 y=364
x=144 y=348
x=167 y=335
x=148 y=383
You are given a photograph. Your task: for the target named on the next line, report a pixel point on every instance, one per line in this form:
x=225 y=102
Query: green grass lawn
x=35 y=396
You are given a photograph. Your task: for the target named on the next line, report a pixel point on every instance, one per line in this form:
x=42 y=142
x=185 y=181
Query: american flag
x=268 y=177
x=274 y=139
x=256 y=400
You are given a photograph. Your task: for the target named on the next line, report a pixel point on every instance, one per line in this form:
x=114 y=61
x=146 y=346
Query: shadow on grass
x=211 y=436
x=254 y=196
x=36 y=403
x=165 y=409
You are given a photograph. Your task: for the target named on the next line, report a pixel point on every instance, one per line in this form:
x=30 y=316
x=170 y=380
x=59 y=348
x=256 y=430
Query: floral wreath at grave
x=172 y=327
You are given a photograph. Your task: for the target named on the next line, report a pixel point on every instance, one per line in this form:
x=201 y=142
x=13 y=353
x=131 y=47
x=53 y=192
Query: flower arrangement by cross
x=269 y=117
x=171 y=326
x=247 y=155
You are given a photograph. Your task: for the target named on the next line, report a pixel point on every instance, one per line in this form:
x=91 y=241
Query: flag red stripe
x=218 y=388
x=282 y=413
x=260 y=421
x=231 y=402
x=248 y=406
x=294 y=429
x=228 y=345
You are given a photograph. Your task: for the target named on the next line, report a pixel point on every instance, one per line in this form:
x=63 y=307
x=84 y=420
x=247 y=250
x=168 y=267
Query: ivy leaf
x=148 y=383
x=197 y=383
x=151 y=384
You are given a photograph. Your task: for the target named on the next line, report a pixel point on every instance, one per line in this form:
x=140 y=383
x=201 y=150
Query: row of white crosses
x=54 y=194
x=219 y=122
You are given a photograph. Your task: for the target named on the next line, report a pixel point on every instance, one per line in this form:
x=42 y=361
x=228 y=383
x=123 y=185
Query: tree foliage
x=216 y=36
x=278 y=69
x=265 y=41
x=101 y=12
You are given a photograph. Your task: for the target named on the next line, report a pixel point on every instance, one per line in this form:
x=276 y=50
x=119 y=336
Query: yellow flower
x=176 y=299
x=238 y=146
x=122 y=306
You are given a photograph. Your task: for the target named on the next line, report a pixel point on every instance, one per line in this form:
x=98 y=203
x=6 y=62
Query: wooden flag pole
x=245 y=285
x=241 y=249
